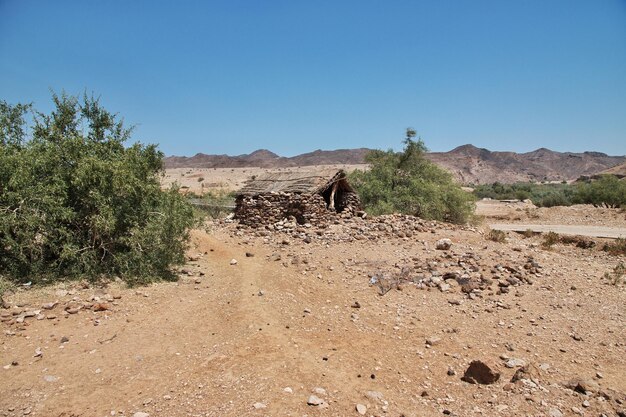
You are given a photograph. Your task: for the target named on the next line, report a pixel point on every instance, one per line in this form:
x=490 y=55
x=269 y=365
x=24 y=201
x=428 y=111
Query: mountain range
x=469 y=164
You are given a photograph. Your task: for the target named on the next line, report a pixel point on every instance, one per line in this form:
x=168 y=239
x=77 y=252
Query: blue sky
x=294 y=76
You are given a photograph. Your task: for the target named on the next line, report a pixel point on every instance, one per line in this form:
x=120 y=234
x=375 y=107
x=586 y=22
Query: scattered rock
x=514 y=363
x=141 y=414
x=528 y=372
x=258 y=406
x=583 y=386
x=361 y=409
x=314 y=401
x=443 y=244
x=100 y=307
x=479 y=372
x=433 y=341
x=233 y=261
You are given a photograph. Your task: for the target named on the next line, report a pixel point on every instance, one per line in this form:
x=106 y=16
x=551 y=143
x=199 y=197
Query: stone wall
x=272 y=208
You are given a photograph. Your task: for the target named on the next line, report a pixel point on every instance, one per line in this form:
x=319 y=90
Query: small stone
x=583 y=386
x=586 y=404
x=38 y=353
x=356 y=304
x=65 y=339
x=258 y=406
x=233 y=261
x=479 y=372
x=50 y=378
x=141 y=414
x=167 y=397
x=288 y=390
x=48 y=306
x=433 y=341
x=451 y=371
x=249 y=254
x=555 y=412
x=529 y=372
x=361 y=409
x=319 y=391
x=315 y=401
x=514 y=363
x=443 y=244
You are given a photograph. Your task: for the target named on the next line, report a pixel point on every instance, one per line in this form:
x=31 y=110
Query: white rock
x=361 y=409
x=443 y=244
x=314 y=400
x=259 y=406
x=233 y=261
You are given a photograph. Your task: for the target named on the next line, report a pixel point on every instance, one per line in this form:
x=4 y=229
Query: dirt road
x=261 y=336
x=577 y=230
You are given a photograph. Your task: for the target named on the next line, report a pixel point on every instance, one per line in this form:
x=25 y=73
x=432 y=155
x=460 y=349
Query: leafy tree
x=74 y=201
x=407 y=182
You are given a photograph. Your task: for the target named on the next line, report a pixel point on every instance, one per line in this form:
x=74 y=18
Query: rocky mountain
x=469 y=164
x=472 y=165
x=266 y=159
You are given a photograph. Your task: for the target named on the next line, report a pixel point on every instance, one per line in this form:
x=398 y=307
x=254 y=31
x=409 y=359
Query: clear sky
x=294 y=76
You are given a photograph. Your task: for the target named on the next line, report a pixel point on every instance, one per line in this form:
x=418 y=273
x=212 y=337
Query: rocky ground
x=389 y=316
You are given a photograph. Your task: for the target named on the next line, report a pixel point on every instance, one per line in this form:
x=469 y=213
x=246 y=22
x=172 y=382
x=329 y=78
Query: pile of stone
x=326 y=227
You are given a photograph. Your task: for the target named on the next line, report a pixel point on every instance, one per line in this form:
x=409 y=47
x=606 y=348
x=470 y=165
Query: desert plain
x=380 y=316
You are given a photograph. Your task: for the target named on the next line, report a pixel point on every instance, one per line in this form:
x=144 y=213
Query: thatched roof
x=303 y=182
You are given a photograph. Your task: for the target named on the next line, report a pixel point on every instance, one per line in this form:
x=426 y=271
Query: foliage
x=214 y=204
x=407 y=182
x=615 y=248
x=549 y=240
x=616 y=276
x=496 y=236
x=542 y=195
x=75 y=201
x=608 y=190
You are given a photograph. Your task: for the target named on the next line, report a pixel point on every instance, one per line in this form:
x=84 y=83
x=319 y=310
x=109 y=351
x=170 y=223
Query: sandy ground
x=519 y=212
x=291 y=319
x=204 y=180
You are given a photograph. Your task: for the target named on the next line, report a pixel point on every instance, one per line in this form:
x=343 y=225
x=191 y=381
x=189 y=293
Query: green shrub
x=608 y=190
x=616 y=277
x=74 y=201
x=496 y=236
x=616 y=248
x=550 y=239
x=407 y=182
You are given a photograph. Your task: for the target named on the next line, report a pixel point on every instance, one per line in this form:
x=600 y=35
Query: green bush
x=607 y=190
x=407 y=182
x=74 y=201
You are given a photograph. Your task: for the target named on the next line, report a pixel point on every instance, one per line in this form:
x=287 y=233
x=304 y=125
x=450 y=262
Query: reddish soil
x=225 y=338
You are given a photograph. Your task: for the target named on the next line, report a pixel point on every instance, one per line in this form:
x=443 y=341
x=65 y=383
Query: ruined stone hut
x=309 y=196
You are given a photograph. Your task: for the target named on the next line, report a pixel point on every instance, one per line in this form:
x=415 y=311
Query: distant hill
x=266 y=159
x=469 y=164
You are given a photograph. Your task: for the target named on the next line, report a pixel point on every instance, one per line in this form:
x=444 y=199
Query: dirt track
x=576 y=230
x=242 y=334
